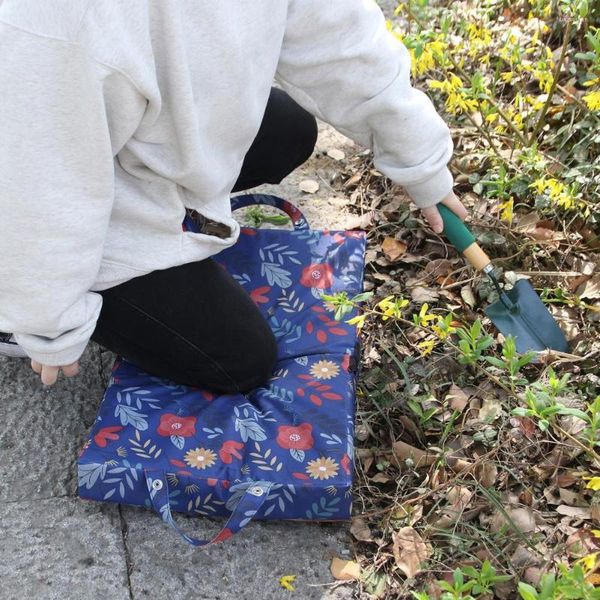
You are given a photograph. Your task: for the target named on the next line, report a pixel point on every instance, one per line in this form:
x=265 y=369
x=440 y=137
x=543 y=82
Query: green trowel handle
x=459 y=235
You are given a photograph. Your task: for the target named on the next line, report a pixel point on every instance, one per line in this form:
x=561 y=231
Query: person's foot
x=9 y=347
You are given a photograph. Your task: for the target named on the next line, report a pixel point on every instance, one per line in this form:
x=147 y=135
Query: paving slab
x=246 y=566
x=43 y=427
x=62 y=549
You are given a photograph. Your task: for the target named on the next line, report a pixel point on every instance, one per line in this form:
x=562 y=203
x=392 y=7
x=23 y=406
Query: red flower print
x=229 y=449
x=224 y=535
x=346 y=362
x=345 y=462
x=317 y=276
x=247 y=231
x=171 y=424
x=105 y=434
x=258 y=295
x=329 y=325
x=319 y=390
x=295 y=438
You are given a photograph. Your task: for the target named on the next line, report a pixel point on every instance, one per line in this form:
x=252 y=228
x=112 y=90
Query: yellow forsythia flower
x=593 y=100
x=589 y=562
x=424 y=316
x=507 y=210
x=593 y=484
x=286 y=582
x=359 y=321
x=426 y=347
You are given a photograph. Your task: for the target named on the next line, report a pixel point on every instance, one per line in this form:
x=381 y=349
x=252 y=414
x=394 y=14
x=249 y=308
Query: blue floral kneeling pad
x=289 y=441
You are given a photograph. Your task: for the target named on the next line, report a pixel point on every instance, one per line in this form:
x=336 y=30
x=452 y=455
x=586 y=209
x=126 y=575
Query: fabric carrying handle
x=248 y=505
x=298 y=220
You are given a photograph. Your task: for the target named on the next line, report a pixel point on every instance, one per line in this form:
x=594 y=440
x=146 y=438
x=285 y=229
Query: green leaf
x=527 y=592
x=361 y=297
x=575 y=412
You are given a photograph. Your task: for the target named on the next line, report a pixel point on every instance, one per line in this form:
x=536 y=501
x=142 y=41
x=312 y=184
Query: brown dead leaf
x=458 y=399
x=410 y=551
x=566 y=479
x=360 y=530
x=360 y=221
x=578 y=281
x=523 y=519
x=422 y=295
x=468 y=296
x=579 y=512
x=393 y=249
x=486 y=473
x=440 y=267
x=421 y=458
x=380 y=478
x=353 y=180
x=444 y=280
x=345 y=569
x=590 y=289
x=571 y=498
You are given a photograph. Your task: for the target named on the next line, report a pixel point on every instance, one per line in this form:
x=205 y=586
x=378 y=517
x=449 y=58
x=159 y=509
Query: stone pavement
x=55 y=545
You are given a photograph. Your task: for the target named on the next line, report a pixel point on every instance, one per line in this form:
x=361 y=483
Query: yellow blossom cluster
x=457 y=100
x=559 y=193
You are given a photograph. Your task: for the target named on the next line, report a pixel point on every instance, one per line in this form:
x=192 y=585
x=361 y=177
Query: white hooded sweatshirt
x=115 y=115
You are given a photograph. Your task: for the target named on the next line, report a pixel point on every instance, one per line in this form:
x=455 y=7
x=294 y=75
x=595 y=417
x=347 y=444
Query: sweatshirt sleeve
x=339 y=62
x=56 y=193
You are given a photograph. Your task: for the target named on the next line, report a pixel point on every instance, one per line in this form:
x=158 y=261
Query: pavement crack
x=128 y=561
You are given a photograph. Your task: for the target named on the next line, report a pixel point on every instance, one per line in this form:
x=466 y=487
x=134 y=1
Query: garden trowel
x=518 y=312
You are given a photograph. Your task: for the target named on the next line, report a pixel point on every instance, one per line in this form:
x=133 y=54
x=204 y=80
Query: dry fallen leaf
x=336 y=154
x=422 y=294
x=590 y=289
x=393 y=249
x=410 y=551
x=345 y=569
x=521 y=518
x=380 y=478
x=360 y=221
x=310 y=186
x=360 y=530
x=574 y=511
x=458 y=399
x=486 y=473
x=468 y=296
x=490 y=410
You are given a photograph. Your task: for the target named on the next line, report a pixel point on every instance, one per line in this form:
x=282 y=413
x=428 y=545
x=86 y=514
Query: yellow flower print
x=200 y=458
x=324 y=369
x=322 y=468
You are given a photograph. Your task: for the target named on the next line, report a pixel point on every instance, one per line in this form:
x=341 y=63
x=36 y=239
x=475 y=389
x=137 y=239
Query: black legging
x=193 y=323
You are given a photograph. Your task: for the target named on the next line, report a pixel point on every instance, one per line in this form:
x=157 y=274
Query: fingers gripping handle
x=459 y=235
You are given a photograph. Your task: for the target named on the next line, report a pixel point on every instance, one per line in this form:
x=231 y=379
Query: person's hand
x=49 y=374
x=434 y=218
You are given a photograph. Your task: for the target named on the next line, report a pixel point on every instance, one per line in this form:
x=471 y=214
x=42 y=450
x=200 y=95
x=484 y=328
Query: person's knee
x=302 y=127
x=296 y=128
x=258 y=363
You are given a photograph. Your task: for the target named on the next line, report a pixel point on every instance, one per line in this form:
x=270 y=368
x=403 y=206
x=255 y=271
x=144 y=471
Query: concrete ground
x=55 y=545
